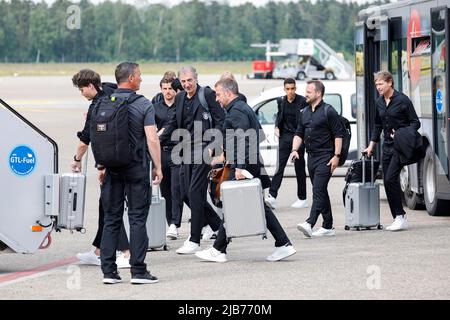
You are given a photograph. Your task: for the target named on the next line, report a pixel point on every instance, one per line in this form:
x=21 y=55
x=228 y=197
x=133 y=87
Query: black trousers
x=320 y=175
x=123 y=239
x=177 y=200
x=194 y=188
x=170 y=188
x=117 y=185
x=284 y=150
x=273 y=225
x=391 y=179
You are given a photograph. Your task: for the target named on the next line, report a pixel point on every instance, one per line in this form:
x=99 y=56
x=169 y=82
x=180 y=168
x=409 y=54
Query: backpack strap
x=202 y=98
x=133 y=97
x=326 y=108
x=129 y=100
x=180 y=102
x=281 y=102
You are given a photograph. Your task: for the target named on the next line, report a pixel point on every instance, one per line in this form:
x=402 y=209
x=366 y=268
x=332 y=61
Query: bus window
x=396 y=65
x=353 y=105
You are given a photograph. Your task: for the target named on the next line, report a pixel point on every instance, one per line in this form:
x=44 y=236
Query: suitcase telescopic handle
x=364 y=155
x=372 y=165
x=158 y=188
x=85 y=163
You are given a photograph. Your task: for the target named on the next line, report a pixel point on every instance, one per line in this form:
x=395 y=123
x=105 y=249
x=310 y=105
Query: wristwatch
x=75 y=159
x=337 y=155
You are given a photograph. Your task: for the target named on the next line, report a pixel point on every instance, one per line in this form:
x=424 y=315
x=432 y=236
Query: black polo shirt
x=289 y=113
x=398 y=114
x=163 y=113
x=319 y=130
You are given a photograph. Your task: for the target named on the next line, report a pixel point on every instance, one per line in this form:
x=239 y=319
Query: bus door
x=440 y=90
x=378 y=46
x=371 y=41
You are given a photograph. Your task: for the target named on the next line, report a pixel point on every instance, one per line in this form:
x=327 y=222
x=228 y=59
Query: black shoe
x=111 y=278
x=143 y=278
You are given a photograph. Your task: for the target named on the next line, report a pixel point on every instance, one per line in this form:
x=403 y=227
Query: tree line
x=212 y=31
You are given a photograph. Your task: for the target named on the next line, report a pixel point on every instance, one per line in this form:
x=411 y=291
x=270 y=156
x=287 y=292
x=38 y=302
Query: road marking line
x=41 y=269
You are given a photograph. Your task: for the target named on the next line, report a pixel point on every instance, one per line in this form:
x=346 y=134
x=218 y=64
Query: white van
x=340 y=94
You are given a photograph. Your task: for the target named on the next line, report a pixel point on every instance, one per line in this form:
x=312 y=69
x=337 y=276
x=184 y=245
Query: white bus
x=410 y=39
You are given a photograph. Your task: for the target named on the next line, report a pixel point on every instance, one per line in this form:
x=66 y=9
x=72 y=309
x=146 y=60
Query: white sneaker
x=299 y=204
x=212 y=254
x=281 y=253
x=207 y=233
x=188 y=247
x=322 y=232
x=271 y=201
x=172 y=232
x=122 y=262
x=400 y=223
x=89 y=257
x=305 y=227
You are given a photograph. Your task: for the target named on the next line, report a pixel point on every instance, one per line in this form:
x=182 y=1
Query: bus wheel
x=412 y=199
x=435 y=207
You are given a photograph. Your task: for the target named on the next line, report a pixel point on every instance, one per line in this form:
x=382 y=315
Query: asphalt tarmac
x=375 y=264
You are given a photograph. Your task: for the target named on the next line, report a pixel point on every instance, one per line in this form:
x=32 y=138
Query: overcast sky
x=174 y=2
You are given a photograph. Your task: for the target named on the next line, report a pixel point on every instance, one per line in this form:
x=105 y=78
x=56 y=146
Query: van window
x=335 y=100
x=267 y=111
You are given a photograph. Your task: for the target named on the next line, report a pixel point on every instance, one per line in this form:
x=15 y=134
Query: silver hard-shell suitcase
x=362 y=203
x=243 y=208
x=156 y=222
x=71 y=201
x=72 y=195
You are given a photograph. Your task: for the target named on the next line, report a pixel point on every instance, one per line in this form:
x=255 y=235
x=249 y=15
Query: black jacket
x=199 y=114
x=400 y=113
x=240 y=116
x=408 y=144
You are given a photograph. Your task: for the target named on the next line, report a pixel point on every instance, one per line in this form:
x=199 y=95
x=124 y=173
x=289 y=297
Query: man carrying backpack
x=127 y=169
x=289 y=107
x=322 y=131
x=196 y=112
x=90 y=85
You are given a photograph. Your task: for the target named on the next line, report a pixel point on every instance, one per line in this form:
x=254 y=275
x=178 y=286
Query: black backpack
x=109 y=131
x=347 y=136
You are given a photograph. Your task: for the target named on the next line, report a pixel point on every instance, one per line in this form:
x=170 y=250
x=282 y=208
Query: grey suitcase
x=243 y=208
x=71 y=202
x=156 y=222
x=72 y=194
x=362 y=203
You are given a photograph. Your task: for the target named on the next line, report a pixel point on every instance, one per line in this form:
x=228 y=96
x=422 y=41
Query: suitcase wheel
x=166 y=247
x=379 y=227
x=347 y=228
x=358 y=228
